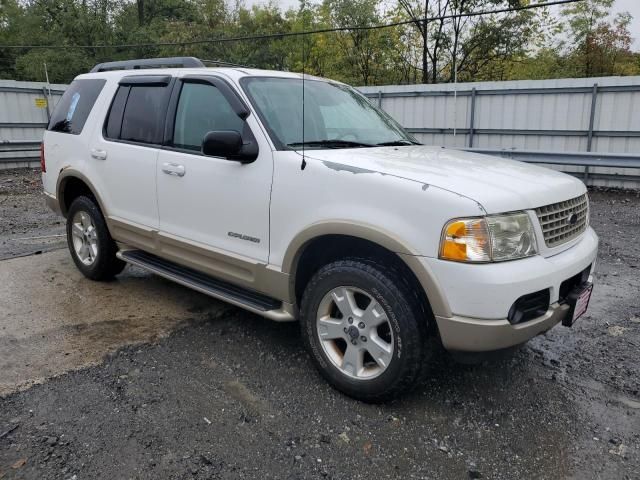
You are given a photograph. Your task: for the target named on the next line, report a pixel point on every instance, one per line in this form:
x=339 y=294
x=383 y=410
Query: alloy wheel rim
x=84 y=237
x=355 y=332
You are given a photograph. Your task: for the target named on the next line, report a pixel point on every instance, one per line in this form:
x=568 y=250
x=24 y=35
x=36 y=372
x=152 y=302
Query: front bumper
x=460 y=334
x=480 y=296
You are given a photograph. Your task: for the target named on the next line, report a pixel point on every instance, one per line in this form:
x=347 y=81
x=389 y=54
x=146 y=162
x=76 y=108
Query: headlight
x=488 y=239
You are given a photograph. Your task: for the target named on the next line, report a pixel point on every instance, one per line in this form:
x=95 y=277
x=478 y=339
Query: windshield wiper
x=335 y=143
x=396 y=143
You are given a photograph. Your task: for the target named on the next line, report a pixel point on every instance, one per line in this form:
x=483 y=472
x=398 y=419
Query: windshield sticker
x=72 y=107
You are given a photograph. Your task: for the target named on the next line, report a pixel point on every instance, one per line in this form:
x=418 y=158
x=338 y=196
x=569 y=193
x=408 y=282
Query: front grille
x=563 y=221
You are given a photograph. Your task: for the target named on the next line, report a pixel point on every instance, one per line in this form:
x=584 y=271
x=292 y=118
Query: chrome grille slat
x=545 y=218
x=554 y=220
x=550 y=226
x=560 y=220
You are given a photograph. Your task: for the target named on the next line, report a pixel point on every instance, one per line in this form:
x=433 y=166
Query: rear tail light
x=43 y=164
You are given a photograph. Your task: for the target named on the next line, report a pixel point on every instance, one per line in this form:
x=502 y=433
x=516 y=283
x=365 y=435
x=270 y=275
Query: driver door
x=214 y=212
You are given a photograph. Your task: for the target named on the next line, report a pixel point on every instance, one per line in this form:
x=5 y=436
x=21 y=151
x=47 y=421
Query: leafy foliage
x=584 y=41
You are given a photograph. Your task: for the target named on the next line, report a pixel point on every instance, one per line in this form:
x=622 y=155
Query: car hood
x=498 y=184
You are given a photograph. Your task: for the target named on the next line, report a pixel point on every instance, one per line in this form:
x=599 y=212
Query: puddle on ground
x=53 y=320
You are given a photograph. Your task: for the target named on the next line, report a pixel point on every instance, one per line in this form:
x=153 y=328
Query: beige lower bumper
x=52 y=203
x=475 y=335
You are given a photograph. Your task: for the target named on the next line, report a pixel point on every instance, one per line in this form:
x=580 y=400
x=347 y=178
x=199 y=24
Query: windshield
x=335 y=116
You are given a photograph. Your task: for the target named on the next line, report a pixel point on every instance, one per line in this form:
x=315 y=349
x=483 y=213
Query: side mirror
x=222 y=143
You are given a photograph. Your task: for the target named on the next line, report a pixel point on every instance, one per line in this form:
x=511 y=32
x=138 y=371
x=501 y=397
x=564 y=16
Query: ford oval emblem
x=573 y=219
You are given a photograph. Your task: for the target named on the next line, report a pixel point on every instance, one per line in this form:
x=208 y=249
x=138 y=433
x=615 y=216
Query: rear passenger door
x=125 y=152
x=211 y=206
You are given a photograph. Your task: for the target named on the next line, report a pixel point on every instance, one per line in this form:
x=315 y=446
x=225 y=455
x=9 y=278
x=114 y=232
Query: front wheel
x=91 y=246
x=364 y=329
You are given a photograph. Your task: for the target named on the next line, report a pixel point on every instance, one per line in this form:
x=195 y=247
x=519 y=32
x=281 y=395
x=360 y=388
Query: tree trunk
x=425 y=63
x=140 y=12
x=587 y=54
x=434 y=73
x=425 y=36
x=457 y=28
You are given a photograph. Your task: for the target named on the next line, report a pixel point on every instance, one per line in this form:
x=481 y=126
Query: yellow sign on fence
x=41 y=102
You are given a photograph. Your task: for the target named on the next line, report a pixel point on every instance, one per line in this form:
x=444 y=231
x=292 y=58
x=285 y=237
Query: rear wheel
x=364 y=329
x=91 y=246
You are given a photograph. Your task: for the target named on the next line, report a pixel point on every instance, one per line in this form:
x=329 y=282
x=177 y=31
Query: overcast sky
x=631 y=6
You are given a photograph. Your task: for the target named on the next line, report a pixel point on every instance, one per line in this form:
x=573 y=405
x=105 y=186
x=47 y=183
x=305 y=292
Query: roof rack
x=169 y=62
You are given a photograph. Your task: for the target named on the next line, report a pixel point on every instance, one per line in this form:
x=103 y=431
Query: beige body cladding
x=277 y=283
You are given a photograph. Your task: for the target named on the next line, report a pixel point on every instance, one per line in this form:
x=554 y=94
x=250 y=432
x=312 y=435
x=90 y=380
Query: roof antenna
x=303 y=165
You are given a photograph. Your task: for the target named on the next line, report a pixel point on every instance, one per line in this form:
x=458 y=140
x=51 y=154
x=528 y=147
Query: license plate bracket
x=578 y=301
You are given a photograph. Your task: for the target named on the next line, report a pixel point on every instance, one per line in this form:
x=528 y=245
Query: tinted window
x=201 y=109
x=114 y=122
x=144 y=114
x=75 y=105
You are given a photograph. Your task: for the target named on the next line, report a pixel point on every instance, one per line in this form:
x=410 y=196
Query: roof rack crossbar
x=169 y=62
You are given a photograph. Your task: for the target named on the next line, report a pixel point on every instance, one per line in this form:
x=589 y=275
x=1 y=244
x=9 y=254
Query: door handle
x=174 y=169
x=98 y=154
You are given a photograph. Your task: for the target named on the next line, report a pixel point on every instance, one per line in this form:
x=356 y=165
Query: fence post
x=592 y=116
x=44 y=92
x=379 y=98
x=472 y=116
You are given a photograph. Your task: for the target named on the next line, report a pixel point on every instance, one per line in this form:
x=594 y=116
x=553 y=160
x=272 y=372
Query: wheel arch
x=327 y=241
x=71 y=184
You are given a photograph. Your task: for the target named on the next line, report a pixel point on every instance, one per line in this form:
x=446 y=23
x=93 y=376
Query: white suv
x=296 y=198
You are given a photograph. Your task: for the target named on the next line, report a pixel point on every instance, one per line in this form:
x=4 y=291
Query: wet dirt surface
x=210 y=391
x=27 y=226
x=55 y=320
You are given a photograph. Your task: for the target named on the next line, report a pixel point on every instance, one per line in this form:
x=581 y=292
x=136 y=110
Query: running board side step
x=249 y=300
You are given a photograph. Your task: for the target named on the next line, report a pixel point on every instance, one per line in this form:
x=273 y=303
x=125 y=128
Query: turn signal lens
x=495 y=238
x=466 y=240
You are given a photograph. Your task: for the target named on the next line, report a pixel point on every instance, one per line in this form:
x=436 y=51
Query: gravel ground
x=27 y=226
x=235 y=396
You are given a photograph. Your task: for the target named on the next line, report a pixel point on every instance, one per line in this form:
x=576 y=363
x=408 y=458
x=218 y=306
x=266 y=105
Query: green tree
x=599 y=45
x=526 y=44
x=457 y=46
x=10 y=18
x=483 y=49
x=432 y=34
x=361 y=48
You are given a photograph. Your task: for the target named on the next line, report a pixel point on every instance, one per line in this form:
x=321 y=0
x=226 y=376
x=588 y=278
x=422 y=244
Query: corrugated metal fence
x=24 y=113
x=589 y=127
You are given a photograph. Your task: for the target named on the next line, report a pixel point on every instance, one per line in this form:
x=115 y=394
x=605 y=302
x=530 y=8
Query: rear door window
x=114 y=122
x=74 y=107
x=144 y=114
x=137 y=114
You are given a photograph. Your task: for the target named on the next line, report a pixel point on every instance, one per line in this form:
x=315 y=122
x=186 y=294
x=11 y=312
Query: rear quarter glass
x=74 y=107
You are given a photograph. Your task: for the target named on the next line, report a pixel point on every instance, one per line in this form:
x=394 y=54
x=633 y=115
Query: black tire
x=105 y=265
x=394 y=294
